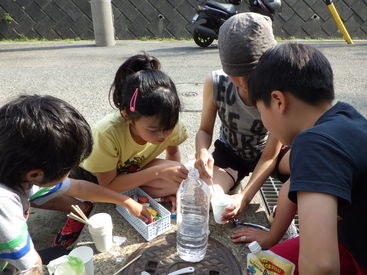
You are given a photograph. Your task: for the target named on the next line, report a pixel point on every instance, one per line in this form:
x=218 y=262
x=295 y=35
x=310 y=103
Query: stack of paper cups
x=100 y=229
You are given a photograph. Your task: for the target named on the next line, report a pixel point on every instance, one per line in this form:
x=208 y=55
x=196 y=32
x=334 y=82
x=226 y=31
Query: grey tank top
x=241 y=130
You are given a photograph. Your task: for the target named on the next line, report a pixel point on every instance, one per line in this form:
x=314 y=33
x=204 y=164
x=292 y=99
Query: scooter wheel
x=202 y=40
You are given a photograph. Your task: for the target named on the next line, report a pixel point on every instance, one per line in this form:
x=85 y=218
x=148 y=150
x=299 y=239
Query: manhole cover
x=189 y=94
x=159 y=257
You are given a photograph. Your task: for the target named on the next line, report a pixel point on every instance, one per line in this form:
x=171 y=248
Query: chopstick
x=126 y=265
x=211 y=182
x=80 y=212
x=77 y=218
x=83 y=218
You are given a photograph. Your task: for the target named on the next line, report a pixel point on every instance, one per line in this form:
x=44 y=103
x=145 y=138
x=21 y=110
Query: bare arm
x=204 y=161
x=262 y=171
x=90 y=191
x=284 y=214
x=173 y=153
x=35 y=270
x=318 y=233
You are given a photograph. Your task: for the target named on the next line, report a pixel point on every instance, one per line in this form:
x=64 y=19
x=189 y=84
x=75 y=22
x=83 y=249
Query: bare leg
x=222 y=181
x=160 y=188
x=62 y=203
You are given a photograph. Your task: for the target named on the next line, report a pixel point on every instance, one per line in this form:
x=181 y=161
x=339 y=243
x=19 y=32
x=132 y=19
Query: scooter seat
x=229 y=8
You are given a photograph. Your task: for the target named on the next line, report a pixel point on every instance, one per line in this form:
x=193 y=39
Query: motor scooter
x=210 y=15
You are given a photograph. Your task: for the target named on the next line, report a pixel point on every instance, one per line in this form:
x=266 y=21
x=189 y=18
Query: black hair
x=41 y=132
x=156 y=94
x=298 y=69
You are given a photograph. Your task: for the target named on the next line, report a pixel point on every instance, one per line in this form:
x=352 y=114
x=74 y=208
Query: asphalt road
x=81 y=73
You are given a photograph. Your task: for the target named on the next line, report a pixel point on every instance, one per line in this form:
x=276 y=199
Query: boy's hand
x=172 y=199
x=249 y=234
x=204 y=163
x=235 y=208
x=173 y=172
x=139 y=211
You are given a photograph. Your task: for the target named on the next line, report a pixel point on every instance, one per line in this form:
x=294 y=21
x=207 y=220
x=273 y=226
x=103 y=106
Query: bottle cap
x=193 y=174
x=254 y=247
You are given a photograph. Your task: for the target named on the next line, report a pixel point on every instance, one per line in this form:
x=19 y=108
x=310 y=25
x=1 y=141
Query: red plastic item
x=143 y=199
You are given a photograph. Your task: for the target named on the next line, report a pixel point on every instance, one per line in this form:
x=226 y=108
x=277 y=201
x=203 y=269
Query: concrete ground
x=81 y=74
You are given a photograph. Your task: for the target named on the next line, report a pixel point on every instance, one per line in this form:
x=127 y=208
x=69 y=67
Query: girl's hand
x=204 y=163
x=172 y=200
x=235 y=208
x=249 y=234
x=139 y=211
x=173 y=172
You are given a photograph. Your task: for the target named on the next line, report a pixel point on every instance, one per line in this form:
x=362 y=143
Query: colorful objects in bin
x=152 y=211
x=147 y=231
x=143 y=199
x=155 y=218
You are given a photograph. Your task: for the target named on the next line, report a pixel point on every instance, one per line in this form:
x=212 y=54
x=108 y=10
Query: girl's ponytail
x=134 y=64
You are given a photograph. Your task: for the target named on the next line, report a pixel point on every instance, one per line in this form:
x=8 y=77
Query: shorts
x=289 y=249
x=226 y=158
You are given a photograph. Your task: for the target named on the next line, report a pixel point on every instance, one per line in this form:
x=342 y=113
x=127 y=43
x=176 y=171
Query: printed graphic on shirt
x=242 y=129
x=131 y=165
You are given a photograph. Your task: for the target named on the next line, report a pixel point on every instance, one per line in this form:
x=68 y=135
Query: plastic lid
x=254 y=247
x=194 y=174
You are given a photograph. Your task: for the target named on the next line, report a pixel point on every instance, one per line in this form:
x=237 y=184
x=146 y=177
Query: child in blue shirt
x=292 y=86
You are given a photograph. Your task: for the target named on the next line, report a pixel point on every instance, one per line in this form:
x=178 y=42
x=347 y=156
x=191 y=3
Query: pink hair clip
x=133 y=100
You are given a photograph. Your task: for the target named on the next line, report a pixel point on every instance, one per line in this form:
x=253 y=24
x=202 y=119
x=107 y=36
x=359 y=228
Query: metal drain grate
x=270 y=192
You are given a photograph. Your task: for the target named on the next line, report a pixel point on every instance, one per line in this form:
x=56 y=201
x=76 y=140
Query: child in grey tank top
x=243 y=145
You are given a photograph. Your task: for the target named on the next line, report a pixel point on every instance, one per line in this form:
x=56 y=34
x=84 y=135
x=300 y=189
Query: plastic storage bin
x=148 y=231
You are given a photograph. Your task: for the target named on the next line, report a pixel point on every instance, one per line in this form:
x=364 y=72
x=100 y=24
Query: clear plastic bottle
x=192 y=218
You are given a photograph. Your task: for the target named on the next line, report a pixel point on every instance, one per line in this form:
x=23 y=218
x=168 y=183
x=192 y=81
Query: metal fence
x=53 y=19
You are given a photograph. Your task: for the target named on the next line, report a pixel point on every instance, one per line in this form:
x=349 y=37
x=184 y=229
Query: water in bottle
x=192 y=218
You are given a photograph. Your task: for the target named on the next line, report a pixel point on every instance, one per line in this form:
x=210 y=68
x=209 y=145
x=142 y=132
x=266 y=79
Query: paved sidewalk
x=81 y=74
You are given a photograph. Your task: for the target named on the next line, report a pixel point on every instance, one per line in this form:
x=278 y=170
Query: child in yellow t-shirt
x=128 y=142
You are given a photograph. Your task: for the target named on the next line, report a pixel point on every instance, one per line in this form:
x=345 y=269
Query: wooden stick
x=126 y=265
x=212 y=183
x=80 y=212
x=75 y=217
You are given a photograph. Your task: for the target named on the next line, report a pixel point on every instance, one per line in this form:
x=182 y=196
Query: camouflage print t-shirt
x=241 y=129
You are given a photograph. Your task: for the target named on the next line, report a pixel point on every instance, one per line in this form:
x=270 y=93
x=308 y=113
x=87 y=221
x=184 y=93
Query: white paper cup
x=84 y=253
x=101 y=231
x=219 y=204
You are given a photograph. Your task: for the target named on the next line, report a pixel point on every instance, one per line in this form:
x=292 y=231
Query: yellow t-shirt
x=114 y=147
